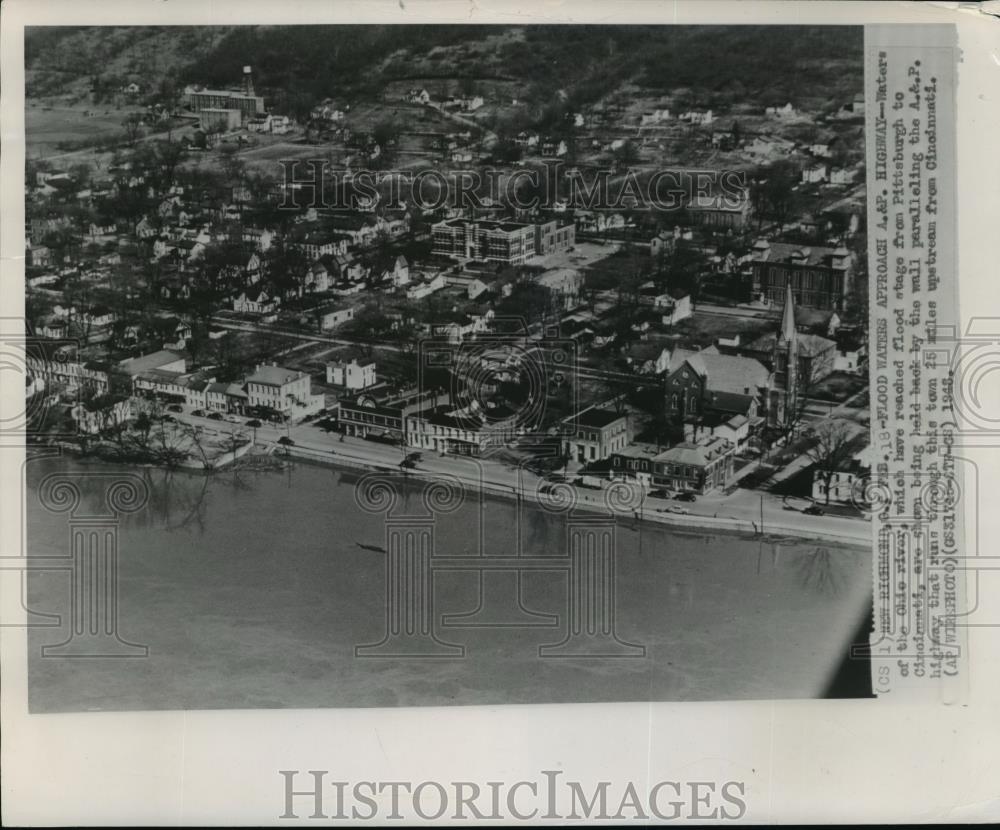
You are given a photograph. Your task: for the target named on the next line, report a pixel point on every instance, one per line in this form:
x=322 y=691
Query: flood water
x=253 y=590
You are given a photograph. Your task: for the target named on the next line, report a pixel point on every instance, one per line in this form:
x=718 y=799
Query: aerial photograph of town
x=445 y=365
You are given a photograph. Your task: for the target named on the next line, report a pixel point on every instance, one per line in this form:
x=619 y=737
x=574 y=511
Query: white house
x=353 y=375
x=674 y=308
x=787 y=111
x=846 y=482
x=100 y=415
x=843 y=175
x=815 y=174
x=255 y=301
x=425 y=287
x=260 y=238
x=330 y=317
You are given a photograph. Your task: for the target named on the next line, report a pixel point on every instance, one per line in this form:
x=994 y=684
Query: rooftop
x=725 y=373
x=274 y=375
x=805 y=254
x=694 y=454
x=595 y=418
x=148 y=362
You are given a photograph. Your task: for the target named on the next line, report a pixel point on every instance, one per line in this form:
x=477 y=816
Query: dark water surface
x=252 y=590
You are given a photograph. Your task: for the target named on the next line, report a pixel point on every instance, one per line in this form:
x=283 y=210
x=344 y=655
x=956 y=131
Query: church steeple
x=786 y=357
x=788 y=316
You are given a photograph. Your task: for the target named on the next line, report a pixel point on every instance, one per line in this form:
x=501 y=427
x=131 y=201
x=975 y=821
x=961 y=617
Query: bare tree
x=834 y=444
x=133 y=127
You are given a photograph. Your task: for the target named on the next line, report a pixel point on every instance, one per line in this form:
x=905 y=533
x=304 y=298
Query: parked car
x=169 y=418
x=286 y=441
x=813 y=510
x=659 y=493
x=199 y=413
x=685 y=497
x=215 y=416
x=175 y=407
x=254 y=423
x=674 y=508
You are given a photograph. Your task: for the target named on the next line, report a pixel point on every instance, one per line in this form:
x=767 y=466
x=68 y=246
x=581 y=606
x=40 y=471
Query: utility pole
x=762 y=513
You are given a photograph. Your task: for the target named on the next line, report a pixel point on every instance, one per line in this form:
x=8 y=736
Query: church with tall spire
x=785 y=360
x=797 y=359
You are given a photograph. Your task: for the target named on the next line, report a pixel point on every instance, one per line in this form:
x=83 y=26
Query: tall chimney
x=247 y=81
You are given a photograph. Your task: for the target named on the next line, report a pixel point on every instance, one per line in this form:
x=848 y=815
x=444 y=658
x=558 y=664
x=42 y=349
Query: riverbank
x=593 y=501
x=746 y=513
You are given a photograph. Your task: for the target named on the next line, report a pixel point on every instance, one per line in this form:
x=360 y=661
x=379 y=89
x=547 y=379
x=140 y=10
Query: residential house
x=675 y=306
x=332 y=316
x=460 y=326
x=260 y=239
x=843 y=175
x=255 y=300
x=38 y=256
x=847 y=482
x=662 y=244
x=105 y=412
x=815 y=174
x=787 y=111
x=426 y=286
x=852 y=350
x=317 y=278
x=734 y=429
x=353 y=376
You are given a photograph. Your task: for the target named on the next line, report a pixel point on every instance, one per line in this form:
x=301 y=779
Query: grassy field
x=47 y=127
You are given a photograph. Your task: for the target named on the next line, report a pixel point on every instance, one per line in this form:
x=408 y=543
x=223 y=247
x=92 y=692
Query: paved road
x=742 y=505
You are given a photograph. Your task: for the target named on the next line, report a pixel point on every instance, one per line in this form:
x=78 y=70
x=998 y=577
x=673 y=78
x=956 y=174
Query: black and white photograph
x=395 y=366
x=455 y=412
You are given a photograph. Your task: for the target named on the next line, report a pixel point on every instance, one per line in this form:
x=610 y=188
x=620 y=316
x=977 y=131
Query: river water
x=253 y=590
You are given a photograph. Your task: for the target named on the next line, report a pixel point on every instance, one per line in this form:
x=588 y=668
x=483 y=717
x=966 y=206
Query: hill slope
x=295 y=66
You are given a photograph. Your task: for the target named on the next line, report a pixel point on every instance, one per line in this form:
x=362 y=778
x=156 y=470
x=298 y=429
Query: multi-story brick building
x=512 y=243
x=594 y=434
x=460 y=432
x=284 y=390
x=244 y=101
x=820 y=277
x=695 y=467
x=366 y=416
